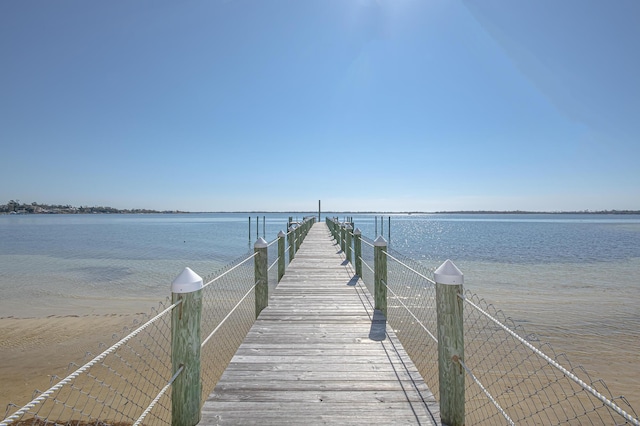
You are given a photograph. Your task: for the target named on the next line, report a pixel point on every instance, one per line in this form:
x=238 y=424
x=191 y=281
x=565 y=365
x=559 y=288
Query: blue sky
x=397 y=105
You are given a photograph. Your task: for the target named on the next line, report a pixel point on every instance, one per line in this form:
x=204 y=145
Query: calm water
x=573 y=279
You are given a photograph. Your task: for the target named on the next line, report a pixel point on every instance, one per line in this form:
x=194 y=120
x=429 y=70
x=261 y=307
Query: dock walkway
x=319 y=354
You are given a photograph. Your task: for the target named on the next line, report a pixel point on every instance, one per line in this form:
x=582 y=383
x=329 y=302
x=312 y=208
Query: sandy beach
x=34 y=349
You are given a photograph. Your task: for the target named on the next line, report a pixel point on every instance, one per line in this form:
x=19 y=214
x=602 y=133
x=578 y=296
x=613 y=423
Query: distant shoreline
x=468 y=212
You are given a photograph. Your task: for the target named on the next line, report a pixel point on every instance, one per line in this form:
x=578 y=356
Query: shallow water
x=572 y=279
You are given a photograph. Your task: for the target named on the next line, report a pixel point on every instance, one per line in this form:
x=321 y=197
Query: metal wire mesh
x=411 y=311
x=218 y=300
x=527 y=386
x=115 y=386
x=127 y=380
x=367 y=258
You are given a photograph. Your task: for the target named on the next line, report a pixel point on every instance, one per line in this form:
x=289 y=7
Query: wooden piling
x=349 y=251
x=261 y=268
x=380 y=274
x=291 y=236
x=185 y=348
x=449 y=281
x=357 y=243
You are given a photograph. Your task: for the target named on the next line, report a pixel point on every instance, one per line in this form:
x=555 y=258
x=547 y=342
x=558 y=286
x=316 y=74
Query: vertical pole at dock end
x=185 y=348
x=380 y=274
x=449 y=286
x=349 y=252
x=357 y=243
x=261 y=269
x=319 y=210
x=281 y=236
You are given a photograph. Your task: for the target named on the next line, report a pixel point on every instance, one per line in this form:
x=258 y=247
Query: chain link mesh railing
x=128 y=382
x=511 y=379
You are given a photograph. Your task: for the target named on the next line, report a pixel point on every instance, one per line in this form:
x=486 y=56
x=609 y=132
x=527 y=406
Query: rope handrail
x=273 y=264
x=157 y=398
x=365 y=264
x=85 y=367
x=231 y=269
x=410 y=313
x=555 y=364
x=410 y=268
x=486 y=392
x=204 y=342
x=367 y=242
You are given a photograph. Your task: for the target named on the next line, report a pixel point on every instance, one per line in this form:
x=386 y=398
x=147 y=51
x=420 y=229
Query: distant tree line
x=15 y=206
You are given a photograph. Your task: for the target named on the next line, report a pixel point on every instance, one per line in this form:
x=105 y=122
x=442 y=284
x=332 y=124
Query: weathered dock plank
x=319 y=355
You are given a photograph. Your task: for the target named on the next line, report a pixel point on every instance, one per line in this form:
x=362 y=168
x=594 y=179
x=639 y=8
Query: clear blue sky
x=390 y=105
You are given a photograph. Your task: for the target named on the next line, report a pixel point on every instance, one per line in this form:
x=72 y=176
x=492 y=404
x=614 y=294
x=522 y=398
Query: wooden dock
x=319 y=354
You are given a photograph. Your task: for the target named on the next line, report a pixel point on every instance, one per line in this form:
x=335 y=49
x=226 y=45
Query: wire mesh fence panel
x=113 y=387
x=411 y=312
x=367 y=257
x=528 y=387
x=228 y=312
x=272 y=256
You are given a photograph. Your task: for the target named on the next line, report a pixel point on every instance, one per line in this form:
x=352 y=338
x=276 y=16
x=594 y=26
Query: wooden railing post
x=342 y=236
x=357 y=243
x=296 y=240
x=449 y=281
x=291 y=237
x=281 y=263
x=380 y=274
x=261 y=269
x=349 y=252
x=185 y=348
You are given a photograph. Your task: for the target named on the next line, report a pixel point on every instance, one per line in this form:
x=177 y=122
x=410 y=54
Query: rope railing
x=162 y=392
x=129 y=382
x=486 y=392
x=554 y=363
x=54 y=398
x=512 y=380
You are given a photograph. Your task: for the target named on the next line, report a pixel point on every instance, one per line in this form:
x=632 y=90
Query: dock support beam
x=449 y=281
x=261 y=269
x=380 y=274
x=185 y=348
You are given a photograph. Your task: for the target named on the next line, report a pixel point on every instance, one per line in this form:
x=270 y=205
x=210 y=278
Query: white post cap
x=261 y=243
x=187 y=282
x=348 y=227
x=357 y=231
x=380 y=241
x=281 y=234
x=448 y=273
